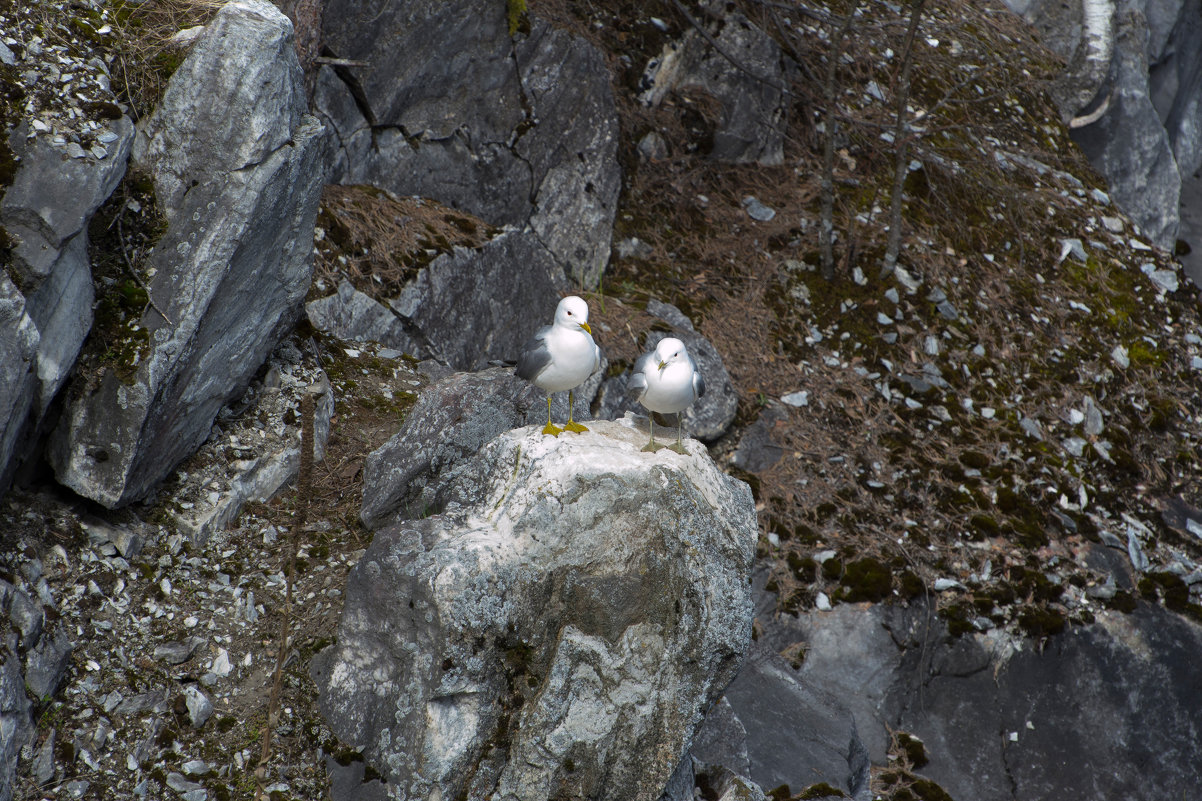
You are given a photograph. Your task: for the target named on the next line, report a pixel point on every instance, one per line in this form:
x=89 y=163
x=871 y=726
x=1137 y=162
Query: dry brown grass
x=379 y=241
x=144 y=53
x=861 y=474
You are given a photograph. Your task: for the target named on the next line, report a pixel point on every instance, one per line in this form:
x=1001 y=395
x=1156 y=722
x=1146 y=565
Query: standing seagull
x=561 y=356
x=666 y=380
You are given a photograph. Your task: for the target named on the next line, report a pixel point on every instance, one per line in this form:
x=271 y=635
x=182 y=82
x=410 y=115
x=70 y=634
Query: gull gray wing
x=698 y=381
x=535 y=355
x=637 y=384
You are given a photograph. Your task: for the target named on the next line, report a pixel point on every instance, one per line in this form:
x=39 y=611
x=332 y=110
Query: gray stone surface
x=474 y=305
x=757 y=449
x=1129 y=144
x=1079 y=715
x=712 y=414
x=414 y=473
x=46 y=662
x=16 y=721
x=356 y=316
x=751 y=128
x=232 y=268
x=563 y=631
x=1135 y=66
x=520 y=130
x=45 y=211
x=347 y=782
x=19 y=340
x=1084 y=715
x=410 y=475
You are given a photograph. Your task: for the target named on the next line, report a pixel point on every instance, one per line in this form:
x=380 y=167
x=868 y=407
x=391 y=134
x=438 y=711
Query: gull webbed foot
x=572 y=425
x=553 y=430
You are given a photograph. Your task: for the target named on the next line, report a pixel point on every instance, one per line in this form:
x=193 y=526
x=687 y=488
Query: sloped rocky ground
x=176 y=641
x=1026 y=383
x=1032 y=388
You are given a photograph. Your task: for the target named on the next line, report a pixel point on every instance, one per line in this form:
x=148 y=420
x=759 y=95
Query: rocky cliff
x=973 y=472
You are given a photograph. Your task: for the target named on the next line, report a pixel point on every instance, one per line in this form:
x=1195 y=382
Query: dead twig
x=303 y=484
x=134 y=273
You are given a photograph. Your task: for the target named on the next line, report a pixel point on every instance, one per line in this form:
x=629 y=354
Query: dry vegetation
x=379 y=242
x=912 y=461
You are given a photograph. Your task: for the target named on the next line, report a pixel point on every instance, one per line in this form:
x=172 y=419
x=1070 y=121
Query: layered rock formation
x=239 y=192
x=519 y=130
x=558 y=631
x=1131 y=89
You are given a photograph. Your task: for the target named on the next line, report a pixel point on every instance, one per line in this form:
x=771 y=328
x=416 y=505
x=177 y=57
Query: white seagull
x=561 y=356
x=666 y=380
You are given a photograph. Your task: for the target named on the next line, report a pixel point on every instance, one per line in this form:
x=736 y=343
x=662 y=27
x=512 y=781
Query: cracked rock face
x=46 y=211
x=751 y=129
x=19 y=339
x=558 y=635
x=520 y=130
x=229 y=275
x=1131 y=82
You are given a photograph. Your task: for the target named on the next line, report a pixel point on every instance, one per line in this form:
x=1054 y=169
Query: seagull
x=666 y=380
x=561 y=356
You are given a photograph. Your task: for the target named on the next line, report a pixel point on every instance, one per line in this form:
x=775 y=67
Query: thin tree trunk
x=901 y=133
x=827 y=221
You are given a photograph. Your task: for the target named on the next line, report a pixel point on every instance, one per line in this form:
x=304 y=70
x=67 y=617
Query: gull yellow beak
x=662 y=365
x=586 y=328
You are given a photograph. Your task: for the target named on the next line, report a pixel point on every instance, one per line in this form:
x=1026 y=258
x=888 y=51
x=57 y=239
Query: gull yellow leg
x=652 y=446
x=553 y=430
x=572 y=424
x=679 y=446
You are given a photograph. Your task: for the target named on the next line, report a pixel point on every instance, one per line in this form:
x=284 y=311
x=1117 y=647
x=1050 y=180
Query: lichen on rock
x=558 y=634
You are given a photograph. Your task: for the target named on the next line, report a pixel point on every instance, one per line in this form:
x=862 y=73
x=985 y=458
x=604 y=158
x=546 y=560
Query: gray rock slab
x=797 y=728
x=19 y=341
x=356 y=316
x=347 y=782
x=475 y=305
x=51 y=199
x=16 y=721
x=586 y=603
x=1083 y=715
x=752 y=124
x=413 y=474
x=46 y=664
x=231 y=271
x=518 y=130
x=757 y=449
x=244 y=60
x=1131 y=81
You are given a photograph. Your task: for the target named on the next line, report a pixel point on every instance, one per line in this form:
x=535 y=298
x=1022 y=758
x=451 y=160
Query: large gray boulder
x=1130 y=90
x=558 y=635
x=415 y=472
x=19 y=339
x=518 y=130
x=240 y=194
x=476 y=305
x=1081 y=714
x=46 y=212
x=750 y=90
x=46 y=315
x=16 y=713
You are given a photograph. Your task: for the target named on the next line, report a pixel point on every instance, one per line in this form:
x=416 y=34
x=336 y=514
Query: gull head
x=670 y=350
x=572 y=312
